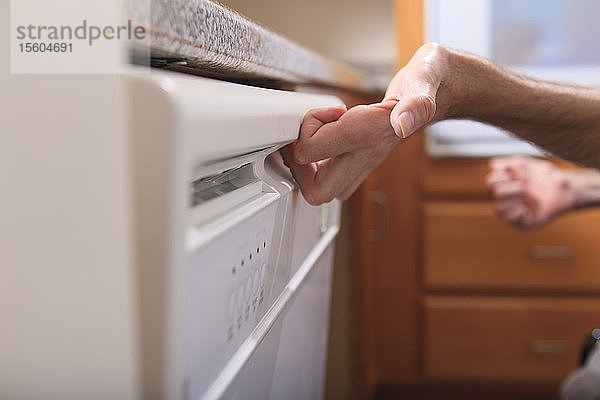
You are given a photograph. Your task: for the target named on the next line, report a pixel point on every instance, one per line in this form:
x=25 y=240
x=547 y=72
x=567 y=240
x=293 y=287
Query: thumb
x=412 y=113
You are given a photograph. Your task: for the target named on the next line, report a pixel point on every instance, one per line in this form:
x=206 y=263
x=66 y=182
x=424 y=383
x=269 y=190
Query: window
x=549 y=39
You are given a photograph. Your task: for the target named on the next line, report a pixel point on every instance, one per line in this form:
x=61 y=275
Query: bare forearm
x=439 y=84
x=562 y=119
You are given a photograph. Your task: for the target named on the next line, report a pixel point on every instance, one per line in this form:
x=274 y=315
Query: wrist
x=454 y=90
x=447 y=92
x=583 y=188
x=570 y=188
x=473 y=88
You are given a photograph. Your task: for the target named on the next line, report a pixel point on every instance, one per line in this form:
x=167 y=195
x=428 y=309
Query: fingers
x=316 y=118
x=346 y=193
x=321 y=135
x=509 y=209
x=521 y=167
x=499 y=163
x=497 y=177
x=287 y=153
x=331 y=177
x=516 y=212
x=415 y=87
x=508 y=176
x=328 y=141
x=321 y=182
x=360 y=127
x=508 y=189
x=413 y=112
x=303 y=173
x=337 y=149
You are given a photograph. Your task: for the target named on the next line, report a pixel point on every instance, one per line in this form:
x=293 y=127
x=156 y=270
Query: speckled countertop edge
x=208 y=35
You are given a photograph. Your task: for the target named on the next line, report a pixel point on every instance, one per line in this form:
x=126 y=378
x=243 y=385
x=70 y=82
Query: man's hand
x=337 y=149
x=529 y=192
x=415 y=88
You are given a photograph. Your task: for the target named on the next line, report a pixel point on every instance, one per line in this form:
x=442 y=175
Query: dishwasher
x=233 y=265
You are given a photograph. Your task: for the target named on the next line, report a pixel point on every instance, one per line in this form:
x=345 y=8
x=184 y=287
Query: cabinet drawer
x=458 y=177
x=505 y=339
x=466 y=245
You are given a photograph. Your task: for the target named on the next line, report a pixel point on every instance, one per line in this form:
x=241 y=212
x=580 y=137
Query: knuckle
x=428 y=68
x=312 y=196
x=343 y=197
x=431 y=46
x=315 y=201
x=317 y=195
x=311 y=115
x=300 y=157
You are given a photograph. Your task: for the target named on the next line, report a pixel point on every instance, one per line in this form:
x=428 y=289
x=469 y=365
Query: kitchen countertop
x=208 y=36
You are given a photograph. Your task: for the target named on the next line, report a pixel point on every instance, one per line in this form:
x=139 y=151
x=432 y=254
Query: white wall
x=355 y=31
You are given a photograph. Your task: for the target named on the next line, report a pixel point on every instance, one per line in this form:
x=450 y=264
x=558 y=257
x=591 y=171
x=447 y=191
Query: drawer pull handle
x=380 y=200
x=551 y=252
x=549 y=346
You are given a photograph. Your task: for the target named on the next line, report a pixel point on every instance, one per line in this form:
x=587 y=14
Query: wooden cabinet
x=454 y=295
x=505 y=339
x=468 y=247
x=450 y=300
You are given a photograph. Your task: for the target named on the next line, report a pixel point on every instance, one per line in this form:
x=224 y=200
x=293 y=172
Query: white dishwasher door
x=272 y=341
x=300 y=368
x=234 y=265
x=289 y=362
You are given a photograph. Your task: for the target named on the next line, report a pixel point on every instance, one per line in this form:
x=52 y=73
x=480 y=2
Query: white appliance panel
x=211 y=193
x=228 y=293
x=300 y=371
x=289 y=363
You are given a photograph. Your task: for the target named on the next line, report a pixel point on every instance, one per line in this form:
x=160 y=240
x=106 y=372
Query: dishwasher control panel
x=248 y=292
x=230 y=287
